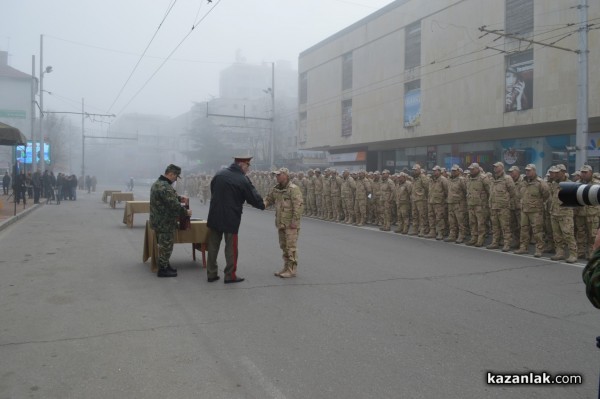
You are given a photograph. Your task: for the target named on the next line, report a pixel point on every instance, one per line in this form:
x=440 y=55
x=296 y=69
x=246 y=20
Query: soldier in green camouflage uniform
x=289 y=205
x=478 y=191
x=457 y=206
x=502 y=190
x=561 y=218
x=165 y=209
x=534 y=194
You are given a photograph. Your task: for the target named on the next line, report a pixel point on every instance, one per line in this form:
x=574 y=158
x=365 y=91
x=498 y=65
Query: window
x=302 y=135
x=347 y=118
x=519 y=17
x=412 y=103
x=347 y=71
x=412 y=45
x=303 y=88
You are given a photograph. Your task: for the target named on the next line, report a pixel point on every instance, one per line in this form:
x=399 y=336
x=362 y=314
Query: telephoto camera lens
x=578 y=194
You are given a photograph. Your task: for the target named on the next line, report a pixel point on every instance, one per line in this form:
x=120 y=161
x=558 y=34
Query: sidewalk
x=7 y=212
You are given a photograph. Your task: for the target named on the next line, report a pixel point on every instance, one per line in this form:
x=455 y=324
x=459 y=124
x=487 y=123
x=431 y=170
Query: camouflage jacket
x=502 y=191
x=289 y=204
x=165 y=206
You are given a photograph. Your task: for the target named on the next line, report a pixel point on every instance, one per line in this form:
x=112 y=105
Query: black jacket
x=229 y=189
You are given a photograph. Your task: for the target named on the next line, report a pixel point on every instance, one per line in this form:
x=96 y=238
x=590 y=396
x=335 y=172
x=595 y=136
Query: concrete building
x=418 y=82
x=15 y=104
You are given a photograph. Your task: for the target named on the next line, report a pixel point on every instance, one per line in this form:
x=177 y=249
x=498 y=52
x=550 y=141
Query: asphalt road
x=370 y=315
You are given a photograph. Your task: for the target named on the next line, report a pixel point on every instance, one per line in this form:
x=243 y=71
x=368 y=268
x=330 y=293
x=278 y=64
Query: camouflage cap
x=562 y=167
x=553 y=169
x=474 y=165
x=498 y=164
x=376 y=172
x=514 y=167
x=576 y=173
x=317 y=170
x=530 y=166
x=455 y=167
x=385 y=171
x=281 y=170
x=436 y=167
x=586 y=168
x=416 y=166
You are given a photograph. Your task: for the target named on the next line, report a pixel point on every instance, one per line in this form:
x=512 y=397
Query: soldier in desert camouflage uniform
x=288 y=202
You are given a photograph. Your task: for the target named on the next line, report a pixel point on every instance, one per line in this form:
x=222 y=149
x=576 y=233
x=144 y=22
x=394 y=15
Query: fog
x=154 y=57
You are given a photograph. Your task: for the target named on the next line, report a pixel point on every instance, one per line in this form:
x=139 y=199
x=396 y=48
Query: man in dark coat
x=230 y=188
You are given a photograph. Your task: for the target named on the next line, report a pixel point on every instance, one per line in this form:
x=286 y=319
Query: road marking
x=258 y=376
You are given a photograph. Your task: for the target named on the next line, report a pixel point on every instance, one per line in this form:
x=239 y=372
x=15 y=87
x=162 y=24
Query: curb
x=18 y=216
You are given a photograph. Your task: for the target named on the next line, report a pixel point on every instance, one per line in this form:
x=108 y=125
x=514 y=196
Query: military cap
x=416 y=166
x=455 y=167
x=243 y=158
x=586 y=168
x=498 y=164
x=310 y=170
x=553 y=169
x=530 y=166
x=474 y=165
x=385 y=171
x=281 y=170
x=376 y=172
x=562 y=167
x=436 y=167
x=514 y=167
x=576 y=173
x=173 y=168
x=317 y=170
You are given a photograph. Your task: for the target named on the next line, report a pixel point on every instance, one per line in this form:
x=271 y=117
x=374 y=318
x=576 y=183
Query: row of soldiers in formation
x=456 y=206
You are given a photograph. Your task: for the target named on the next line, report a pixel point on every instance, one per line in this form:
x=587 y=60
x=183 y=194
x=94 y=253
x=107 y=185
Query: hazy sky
x=93 y=46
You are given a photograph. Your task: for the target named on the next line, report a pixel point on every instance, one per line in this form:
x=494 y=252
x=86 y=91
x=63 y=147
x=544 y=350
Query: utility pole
x=581 y=135
x=32 y=112
x=272 y=116
x=42 y=161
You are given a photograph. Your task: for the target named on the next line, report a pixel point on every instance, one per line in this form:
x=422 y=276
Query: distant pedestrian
x=230 y=188
x=6 y=182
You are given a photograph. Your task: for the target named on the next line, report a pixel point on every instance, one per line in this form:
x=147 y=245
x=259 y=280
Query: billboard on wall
x=412 y=107
x=24 y=154
x=519 y=82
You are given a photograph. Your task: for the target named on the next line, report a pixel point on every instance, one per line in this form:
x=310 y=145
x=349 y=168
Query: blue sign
x=24 y=153
x=412 y=107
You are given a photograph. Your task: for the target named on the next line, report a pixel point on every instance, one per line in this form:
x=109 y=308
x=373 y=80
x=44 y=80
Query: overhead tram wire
x=142 y=56
x=169 y=56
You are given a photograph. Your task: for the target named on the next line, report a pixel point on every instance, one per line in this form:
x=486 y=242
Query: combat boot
x=289 y=272
x=560 y=255
x=493 y=245
x=439 y=237
x=431 y=234
x=572 y=258
x=506 y=247
x=361 y=221
x=450 y=239
x=166 y=272
x=472 y=241
x=480 y=242
x=278 y=274
x=460 y=239
x=398 y=230
x=521 y=251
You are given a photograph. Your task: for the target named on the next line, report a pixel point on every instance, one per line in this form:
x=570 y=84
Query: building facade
x=443 y=82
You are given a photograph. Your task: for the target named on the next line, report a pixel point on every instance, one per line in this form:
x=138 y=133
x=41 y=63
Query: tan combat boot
x=521 y=251
x=572 y=258
x=493 y=245
x=289 y=273
x=560 y=255
x=278 y=274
